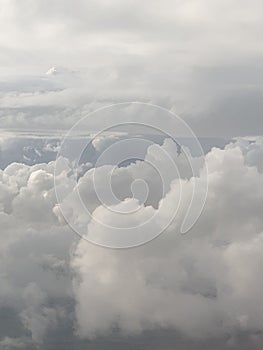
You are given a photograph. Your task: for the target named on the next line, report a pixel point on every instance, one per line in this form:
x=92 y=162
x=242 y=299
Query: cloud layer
x=202 y=59
x=202 y=285
x=61 y=60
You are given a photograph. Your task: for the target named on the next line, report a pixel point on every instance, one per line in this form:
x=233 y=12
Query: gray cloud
x=202 y=59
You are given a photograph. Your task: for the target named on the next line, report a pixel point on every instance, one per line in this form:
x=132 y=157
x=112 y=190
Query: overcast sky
x=202 y=58
x=61 y=60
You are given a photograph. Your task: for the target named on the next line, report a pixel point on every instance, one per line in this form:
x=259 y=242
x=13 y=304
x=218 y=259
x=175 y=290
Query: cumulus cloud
x=34 y=254
x=199 y=284
x=205 y=284
x=200 y=59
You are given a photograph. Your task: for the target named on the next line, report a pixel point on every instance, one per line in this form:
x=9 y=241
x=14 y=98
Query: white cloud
x=199 y=58
x=198 y=284
x=203 y=284
x=34 y=252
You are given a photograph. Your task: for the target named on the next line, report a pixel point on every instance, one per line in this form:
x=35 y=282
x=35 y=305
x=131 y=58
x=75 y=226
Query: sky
x=142 y=228
x=202 y=59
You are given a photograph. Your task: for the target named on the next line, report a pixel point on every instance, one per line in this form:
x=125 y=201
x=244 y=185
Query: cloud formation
x=204 y=285
x=202 y=59
x=199 y=284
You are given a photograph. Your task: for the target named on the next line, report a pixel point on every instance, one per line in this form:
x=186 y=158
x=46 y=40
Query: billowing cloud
x=203 y=285
x=61 y=61
x=34 y=255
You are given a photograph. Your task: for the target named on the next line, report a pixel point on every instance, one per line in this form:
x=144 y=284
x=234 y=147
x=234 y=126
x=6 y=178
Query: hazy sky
x=60 y=60
x=201 y=58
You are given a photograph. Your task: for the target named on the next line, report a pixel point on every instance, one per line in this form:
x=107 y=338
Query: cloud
x=13 y=343
x=36 y=317
x=198 y=285
x=198 y=58
x=187 y=56
x=34 y=254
